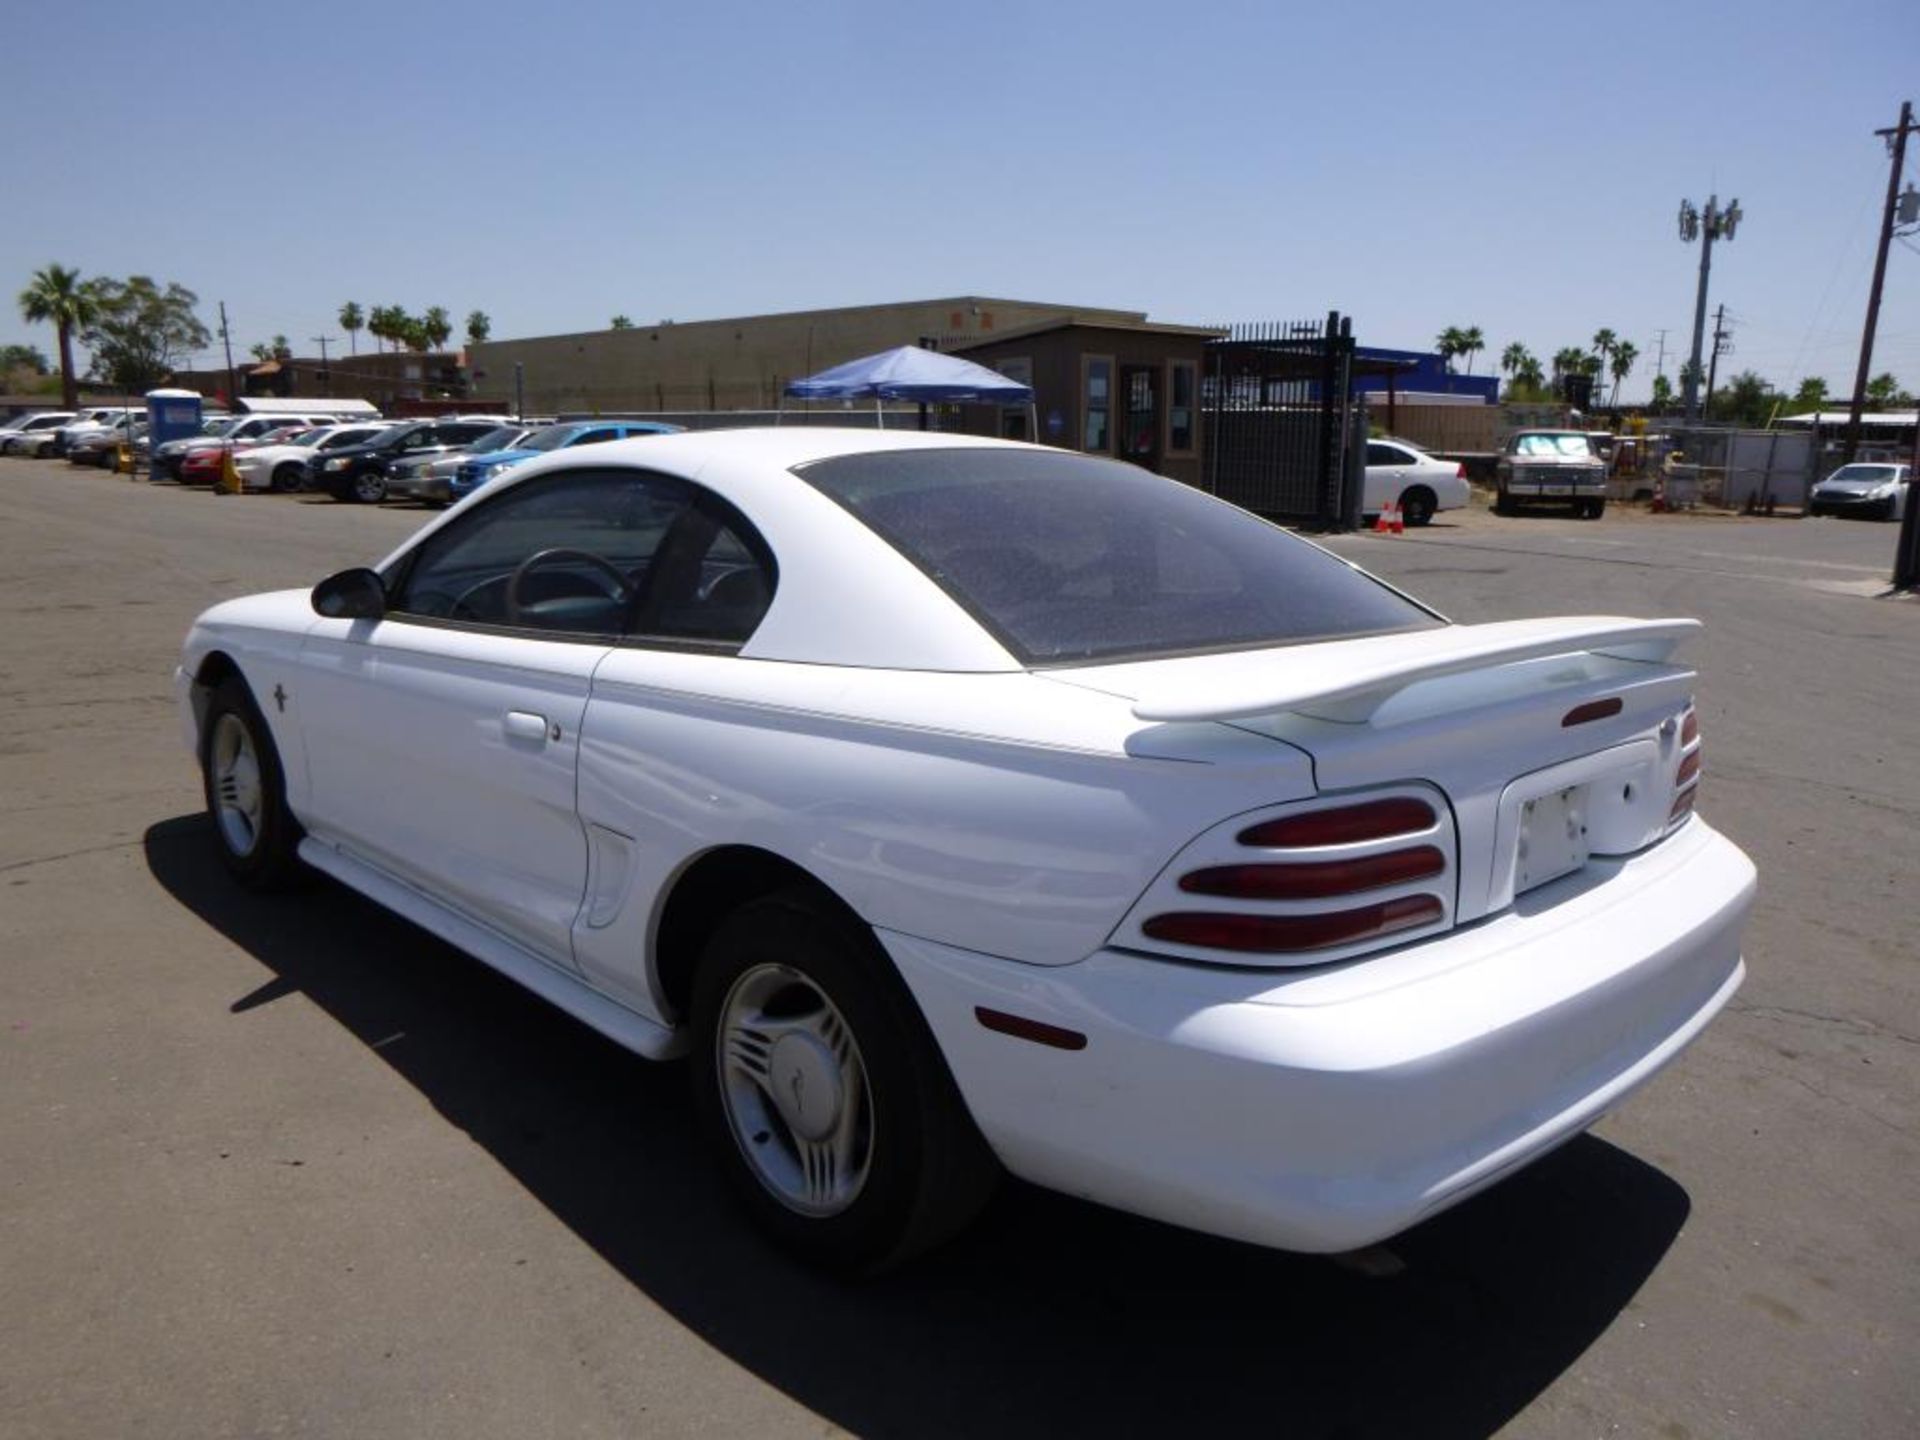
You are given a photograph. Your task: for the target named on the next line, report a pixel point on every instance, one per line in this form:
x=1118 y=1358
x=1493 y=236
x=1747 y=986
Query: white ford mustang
x=960 y=805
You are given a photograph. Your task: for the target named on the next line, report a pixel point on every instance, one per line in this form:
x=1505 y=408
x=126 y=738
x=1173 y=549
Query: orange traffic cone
x=1399 y=523
x=1383 y=523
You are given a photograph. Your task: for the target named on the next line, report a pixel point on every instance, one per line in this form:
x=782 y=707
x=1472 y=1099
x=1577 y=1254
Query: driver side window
x=569 y=555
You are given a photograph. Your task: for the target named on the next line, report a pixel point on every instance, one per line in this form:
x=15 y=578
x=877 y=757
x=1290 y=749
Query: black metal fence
x=1282 y=426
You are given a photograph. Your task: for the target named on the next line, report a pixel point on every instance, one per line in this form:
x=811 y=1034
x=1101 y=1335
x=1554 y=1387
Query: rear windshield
x=1067 y=558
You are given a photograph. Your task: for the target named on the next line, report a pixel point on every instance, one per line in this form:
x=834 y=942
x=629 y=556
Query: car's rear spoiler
x=1349 y=680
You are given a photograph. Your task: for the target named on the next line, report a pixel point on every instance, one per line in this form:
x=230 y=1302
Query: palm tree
x=1471 y=343
x=1569 y=360
x=478 y=327
x=1603 y=342
x=1625 y=352
x=1447 y=344
x=1527 y=373
x=435 y=327
x=352 y=320
x=58 y=297
x=620 y=322
x=1515 y=356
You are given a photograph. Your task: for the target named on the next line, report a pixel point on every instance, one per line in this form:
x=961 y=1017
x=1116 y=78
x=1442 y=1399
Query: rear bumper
x=1326 y=1109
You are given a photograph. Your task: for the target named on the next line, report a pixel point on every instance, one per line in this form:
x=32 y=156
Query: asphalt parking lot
x=290 y=1167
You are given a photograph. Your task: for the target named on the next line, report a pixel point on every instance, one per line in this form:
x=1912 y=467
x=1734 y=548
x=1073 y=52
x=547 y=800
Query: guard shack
x=1126 y=389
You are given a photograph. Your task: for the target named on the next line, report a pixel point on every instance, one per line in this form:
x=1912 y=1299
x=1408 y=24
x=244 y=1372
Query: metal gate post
x=1354 y=495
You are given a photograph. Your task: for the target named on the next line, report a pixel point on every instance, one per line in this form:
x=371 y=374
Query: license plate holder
x=1553 y=837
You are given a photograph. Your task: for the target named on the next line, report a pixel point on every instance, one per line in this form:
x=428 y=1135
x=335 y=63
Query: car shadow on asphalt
x=1050 y=1316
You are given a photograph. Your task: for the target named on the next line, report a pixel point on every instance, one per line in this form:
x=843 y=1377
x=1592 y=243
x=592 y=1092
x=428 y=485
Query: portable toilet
x=171 y=415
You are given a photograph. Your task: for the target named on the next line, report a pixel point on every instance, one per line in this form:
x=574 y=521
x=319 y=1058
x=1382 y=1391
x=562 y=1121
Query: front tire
x=822 y=1093
x=287 y=477
x=369 y=487
x=1502 y=502
x=246 y=792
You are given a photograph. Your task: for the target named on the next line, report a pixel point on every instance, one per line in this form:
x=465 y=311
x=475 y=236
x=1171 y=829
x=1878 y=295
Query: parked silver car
x=1877 y=490
x=1554 y=467
x=25 y=433
x=430 y=477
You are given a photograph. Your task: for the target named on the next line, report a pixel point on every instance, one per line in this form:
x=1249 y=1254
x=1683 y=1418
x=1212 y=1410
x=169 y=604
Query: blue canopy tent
x=911 y=373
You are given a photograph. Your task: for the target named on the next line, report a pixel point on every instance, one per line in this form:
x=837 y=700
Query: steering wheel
x=619 y=589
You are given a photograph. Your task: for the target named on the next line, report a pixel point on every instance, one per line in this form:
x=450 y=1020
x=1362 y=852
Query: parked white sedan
x=959 y=805
x=283 y=467
x=1399 y=473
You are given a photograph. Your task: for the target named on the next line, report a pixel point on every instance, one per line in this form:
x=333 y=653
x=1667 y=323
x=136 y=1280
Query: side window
x=595 y=437
x=1378 y=454
x=574 y=554
x=711 y=581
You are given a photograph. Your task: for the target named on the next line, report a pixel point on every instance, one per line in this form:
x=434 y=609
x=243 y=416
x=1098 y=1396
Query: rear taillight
x=1318 y=882
x=1349 y=825
x=1294 y=934
x=1686 y=775
x=1460 y=471
x=1317 y=879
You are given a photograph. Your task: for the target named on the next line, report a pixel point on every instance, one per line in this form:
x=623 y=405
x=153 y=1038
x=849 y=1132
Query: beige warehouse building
x=741 y=363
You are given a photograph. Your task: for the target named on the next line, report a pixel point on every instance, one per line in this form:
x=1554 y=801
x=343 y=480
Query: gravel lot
x=291 y=1167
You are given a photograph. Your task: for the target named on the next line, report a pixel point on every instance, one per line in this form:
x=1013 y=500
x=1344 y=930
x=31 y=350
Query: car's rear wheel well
x=712 y=888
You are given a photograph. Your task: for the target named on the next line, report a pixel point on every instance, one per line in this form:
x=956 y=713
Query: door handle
x=525 y=725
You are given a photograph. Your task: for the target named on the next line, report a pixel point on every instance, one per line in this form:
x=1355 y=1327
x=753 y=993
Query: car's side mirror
x=356 y=594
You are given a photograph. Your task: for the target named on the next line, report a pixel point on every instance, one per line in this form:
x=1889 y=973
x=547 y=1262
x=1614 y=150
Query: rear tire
x=246 y=792
x=1417 y=506
x=795 y=1002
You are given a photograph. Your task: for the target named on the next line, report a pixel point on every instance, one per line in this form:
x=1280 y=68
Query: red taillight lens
x=1460 y=471
x=1350 y=825
x=1689 y=767
x=1278 y=934
x=1683 y=805
x=1690 y=728
x=1318 y=879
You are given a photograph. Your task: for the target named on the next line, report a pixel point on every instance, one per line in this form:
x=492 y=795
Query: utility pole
x=1720 y=337
x=1897 y=146
x=1708 y=226
x=1660 y=359
x=226 y=340
x=326 y=371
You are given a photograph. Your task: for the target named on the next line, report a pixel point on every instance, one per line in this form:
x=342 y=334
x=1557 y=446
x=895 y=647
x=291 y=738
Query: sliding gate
x=1286 y=437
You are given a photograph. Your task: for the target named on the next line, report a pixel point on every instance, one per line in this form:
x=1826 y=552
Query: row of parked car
x=437 y=460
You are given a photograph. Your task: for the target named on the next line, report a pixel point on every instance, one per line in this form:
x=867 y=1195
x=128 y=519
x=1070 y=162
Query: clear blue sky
x=1414 y=165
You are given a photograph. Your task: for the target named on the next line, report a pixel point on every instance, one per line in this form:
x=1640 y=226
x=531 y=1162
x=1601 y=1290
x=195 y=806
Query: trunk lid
x=1550 y=740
